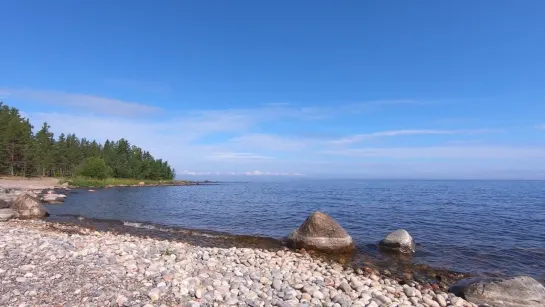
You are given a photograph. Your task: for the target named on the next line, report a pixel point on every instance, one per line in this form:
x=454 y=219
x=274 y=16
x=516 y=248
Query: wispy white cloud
x=238 y=142
x=540 y=127
x=237 y=156
x=194 y=173
x=449 y=152
x=90 y=103
x=260 y=173
x=392 y=133
x=271 y=142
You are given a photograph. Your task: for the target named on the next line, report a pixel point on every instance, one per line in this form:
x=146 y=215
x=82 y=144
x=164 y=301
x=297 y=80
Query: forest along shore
x=47 y=265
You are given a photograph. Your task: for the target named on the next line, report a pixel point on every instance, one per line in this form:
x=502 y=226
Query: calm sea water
x=477 y=227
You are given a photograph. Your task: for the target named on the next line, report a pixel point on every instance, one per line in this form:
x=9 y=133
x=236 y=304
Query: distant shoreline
x=34 y=183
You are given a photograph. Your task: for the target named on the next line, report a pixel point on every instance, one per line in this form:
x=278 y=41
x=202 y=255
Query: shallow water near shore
x=488 y=228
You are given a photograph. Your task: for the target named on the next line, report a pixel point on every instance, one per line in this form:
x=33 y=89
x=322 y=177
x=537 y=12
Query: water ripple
x=479 y=227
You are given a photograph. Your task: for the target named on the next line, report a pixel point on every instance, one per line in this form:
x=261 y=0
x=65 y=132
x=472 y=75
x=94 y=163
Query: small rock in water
x=400 y=241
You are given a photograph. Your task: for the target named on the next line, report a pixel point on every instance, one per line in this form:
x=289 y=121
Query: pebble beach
x=49 y=264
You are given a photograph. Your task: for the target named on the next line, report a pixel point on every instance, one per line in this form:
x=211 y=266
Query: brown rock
x=28 y=205
x=321 y=232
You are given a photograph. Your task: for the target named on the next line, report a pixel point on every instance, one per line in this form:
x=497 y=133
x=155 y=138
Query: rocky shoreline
x=47 y=264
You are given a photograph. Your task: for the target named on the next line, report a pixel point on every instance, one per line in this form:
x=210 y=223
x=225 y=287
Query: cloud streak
x=254 y=142
x=90 y=103
x=446 y=152
x=237 y=156
x=393 y=133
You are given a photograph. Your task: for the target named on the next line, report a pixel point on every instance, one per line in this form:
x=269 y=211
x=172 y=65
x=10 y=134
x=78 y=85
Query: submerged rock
x=53 y=198
x=5 y=214
x=511 y=292
x=399 y=241
x=321 y=232
x=28 y=205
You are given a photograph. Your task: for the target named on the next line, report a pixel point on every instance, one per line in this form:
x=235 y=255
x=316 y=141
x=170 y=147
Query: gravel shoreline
x=43 y=265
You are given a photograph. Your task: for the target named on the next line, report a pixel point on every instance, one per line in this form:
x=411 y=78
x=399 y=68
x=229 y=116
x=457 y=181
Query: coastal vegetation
x=25 y=153
x=79 y=181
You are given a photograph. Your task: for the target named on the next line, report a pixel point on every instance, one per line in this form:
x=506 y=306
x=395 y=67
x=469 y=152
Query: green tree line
x=25 y=153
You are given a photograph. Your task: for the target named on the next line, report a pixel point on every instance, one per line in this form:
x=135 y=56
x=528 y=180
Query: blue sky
x=366 y=89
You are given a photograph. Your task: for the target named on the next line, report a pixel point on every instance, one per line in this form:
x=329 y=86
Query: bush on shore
x=95 y=168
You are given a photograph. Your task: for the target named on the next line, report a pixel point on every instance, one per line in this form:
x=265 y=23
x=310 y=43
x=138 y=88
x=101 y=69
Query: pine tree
x=45 y=150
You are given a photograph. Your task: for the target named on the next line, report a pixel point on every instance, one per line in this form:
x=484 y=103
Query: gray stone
x=430 y=302
x=457 y=301
x=277 y=284
x=511 y=292
x=121 y=300
x=345 y=287
x=441 y=300
x=52 y=198
x=410 y=292
x=20 y=279
x=5 y=201
x=384 y=299
x=318 y=295
x=308 y=289
x=198 y=293
x=232 y=301
x=321 y=232
x=399 y=241
x=290 y=294
x=154 y=294
x=6 y=214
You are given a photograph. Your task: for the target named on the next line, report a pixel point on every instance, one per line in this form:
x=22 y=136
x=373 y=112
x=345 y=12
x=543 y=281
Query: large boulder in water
x=522 y=291
x=399 y=241
x=321 y=232
x=28 y=205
